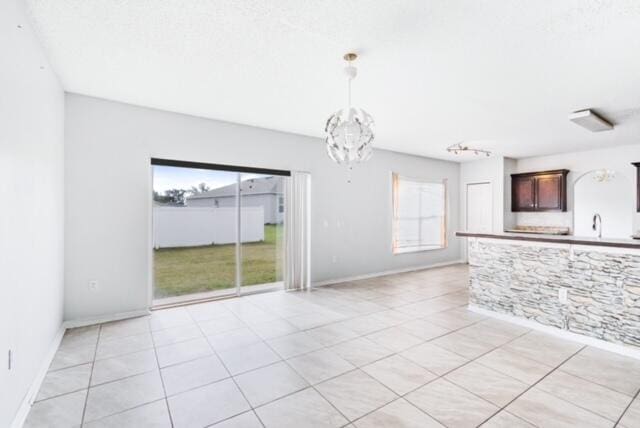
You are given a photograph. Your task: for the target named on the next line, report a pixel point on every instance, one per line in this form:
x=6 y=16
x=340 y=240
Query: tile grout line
x=403 y=396
x=213 y=350
x=312 y=386
x=593 y=382
x=438 y=377
x=553 y=369
x=469 y=362
x=325 y=347
x=536 y=383
x=159 y=370
x=248 y=326
x=93 y=363
x=278 y=317
x=626 y=409
x=589 y=381
x=398 y=396
x=583 y=347
x=309 y=385
x=119 y=412
x=359 y=368
x=526 y=357
x=164 y=388
x=129 y=377
x=230 y=376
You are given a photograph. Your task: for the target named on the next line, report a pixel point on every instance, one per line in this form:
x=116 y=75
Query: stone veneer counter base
x=523 y=278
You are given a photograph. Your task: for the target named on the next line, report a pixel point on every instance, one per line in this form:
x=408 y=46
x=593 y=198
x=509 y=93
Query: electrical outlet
x=562 y=295
x=334 y=259
x=93 y=285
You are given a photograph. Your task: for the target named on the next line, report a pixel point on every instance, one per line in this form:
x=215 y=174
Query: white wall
x=31 y=218
x=616 y=158
x=608 y=198
x=196 y=226
x=108 y=146
x=509 y=219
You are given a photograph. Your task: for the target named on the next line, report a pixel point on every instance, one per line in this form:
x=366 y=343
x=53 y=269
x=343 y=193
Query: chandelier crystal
x=604 y=175
x=350 y=131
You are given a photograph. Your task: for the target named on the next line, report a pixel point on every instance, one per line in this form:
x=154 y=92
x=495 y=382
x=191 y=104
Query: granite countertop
x=558 y=239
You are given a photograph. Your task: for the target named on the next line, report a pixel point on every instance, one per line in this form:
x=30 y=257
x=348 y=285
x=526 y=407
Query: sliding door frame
x=238 y=244
x=219 y=167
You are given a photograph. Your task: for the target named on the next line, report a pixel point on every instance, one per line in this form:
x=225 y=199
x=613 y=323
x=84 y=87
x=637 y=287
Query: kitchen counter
x=559 y=239
x=583 y=286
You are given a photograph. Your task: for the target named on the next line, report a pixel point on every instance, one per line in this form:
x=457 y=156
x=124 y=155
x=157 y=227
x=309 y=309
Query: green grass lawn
x=179 y=271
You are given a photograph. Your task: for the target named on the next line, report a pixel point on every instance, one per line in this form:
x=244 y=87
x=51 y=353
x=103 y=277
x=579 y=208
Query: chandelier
x=460 y=148
x=604 y=175
x=349 y=131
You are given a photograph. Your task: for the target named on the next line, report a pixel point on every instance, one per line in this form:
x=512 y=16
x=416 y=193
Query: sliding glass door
x=262 y=230
x=217 y=230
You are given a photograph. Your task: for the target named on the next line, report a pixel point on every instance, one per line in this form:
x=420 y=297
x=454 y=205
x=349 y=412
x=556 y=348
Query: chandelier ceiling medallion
x=349 y=131
x=460 y=148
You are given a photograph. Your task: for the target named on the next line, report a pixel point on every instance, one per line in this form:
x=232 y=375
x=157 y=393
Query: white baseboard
x=30 y=396
x=82 y=322
x=625 y=350
x=384 y=273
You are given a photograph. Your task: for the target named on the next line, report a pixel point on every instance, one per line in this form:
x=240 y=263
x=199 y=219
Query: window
x=419 y=214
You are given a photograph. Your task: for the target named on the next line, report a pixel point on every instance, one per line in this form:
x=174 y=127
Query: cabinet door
x=523 y=193
x=549 y=192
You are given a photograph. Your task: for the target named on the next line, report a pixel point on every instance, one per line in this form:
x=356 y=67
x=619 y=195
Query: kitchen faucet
x=597 y=224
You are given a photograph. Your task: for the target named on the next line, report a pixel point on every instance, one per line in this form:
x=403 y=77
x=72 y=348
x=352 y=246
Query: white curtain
x=297 y=231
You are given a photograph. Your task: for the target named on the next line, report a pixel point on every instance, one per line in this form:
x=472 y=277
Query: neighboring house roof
x=253 y=186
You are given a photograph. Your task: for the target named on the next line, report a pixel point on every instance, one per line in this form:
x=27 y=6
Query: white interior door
x=479 y=207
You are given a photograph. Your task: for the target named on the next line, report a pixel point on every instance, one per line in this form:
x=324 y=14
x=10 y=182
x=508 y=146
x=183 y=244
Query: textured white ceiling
x=432 y=73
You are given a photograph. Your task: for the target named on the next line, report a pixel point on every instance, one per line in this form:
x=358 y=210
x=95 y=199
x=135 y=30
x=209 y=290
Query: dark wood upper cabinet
x=539 y=191
x=637 y=165
x=523 y=193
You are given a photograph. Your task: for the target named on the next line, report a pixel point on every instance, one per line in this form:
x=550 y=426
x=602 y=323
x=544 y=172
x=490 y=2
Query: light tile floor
x=395 y=351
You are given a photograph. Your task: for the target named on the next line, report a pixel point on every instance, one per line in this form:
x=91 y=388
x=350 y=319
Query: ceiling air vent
x=590 y=120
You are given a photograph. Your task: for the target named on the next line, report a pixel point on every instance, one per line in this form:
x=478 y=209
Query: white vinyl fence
x=190 y=226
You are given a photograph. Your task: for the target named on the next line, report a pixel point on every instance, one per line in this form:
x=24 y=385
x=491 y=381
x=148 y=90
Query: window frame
x=395 y=182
